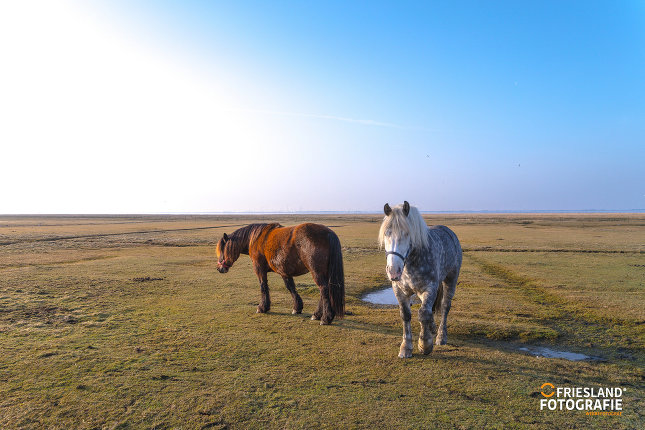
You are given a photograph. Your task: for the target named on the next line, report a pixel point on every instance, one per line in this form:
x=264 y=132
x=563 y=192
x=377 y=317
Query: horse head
x=227 y=253
x=395 y=238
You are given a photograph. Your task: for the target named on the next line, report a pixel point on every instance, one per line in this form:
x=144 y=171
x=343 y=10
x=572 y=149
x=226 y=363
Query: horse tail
x=439 y=299
x=336 y=276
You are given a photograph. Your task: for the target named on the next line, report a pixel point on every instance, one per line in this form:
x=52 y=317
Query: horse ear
x=225 y=237
x=387 y=209
x=406 y=208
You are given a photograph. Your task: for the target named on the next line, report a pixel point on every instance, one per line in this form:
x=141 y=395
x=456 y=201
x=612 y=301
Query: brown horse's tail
x=336 y=276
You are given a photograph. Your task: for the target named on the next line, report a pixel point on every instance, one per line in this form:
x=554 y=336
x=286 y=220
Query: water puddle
x=381 y=297
x=541 y=351
x=386 y=297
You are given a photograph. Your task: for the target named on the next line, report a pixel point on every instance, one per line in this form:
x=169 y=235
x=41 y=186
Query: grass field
x=123 y=322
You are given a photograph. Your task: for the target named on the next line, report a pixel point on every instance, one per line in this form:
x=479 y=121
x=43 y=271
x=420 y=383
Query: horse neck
x=416 y=256
x=242 y=237
x=242 y=244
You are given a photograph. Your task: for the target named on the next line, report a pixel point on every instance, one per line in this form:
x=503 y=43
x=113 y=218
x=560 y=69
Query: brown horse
x=289 y=252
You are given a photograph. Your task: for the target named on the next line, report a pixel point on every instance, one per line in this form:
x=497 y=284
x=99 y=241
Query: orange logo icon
x=546 y=384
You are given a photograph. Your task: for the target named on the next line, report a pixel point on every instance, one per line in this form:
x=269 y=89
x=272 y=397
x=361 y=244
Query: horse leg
x=449 y=286
x=297 y=301
x=325 y=312
x=405 y=351
x=265 y=303
x=426 y=320
x=319 y=311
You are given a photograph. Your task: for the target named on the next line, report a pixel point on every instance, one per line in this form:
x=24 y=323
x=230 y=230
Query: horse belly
x=300 y=271
x=288 y=266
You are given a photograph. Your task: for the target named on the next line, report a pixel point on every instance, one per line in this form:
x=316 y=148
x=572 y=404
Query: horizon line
x=328 y=212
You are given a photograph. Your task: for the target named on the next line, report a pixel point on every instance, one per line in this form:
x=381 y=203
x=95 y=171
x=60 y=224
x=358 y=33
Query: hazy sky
x=185 y=106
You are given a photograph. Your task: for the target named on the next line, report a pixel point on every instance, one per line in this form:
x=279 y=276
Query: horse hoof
x=425 y=348
x=405 y=351
x=294 y=312
x=314 y=318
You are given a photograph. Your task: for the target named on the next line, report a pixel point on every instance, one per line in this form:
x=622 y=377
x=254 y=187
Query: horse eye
x=388 y=233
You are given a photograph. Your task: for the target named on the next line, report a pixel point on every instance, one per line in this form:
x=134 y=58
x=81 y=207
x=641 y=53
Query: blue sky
x=153 y=106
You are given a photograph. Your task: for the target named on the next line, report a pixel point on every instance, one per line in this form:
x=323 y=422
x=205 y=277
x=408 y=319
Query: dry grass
x=122 y=322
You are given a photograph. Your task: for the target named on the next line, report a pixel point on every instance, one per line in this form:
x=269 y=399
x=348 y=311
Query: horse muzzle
x=222 y=266
x=393 y=274
x=396 y=278
x=395 y=267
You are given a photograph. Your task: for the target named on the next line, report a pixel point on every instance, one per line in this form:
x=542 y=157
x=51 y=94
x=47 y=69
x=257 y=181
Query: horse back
x=295 y=250
x=446 y=247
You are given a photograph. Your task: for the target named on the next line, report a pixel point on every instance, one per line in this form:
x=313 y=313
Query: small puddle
x=541 y=351
x=386 y=297
x=381 y=297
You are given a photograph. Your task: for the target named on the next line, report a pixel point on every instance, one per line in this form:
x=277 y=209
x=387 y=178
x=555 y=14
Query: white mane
x=398 y=223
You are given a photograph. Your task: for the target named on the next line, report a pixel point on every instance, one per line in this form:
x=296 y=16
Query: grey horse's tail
x=336 y=276
x=439 y=299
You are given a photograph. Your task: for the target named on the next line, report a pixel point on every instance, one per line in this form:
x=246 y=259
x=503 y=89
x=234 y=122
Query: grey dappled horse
x=424 y=261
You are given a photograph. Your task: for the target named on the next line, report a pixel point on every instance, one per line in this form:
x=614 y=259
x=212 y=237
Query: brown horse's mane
x=245 y=235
